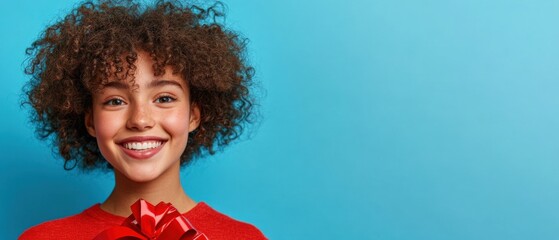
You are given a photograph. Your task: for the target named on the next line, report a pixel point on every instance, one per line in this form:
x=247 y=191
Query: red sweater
x=94 y=220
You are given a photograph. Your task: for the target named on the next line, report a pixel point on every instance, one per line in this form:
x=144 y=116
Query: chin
x=141 y=175
x=141 y=179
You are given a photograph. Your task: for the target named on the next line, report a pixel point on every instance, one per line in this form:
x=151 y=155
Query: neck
x=162 y=189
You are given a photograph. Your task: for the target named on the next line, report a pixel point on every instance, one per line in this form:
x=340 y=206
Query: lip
x=141 y=139
x=142 y=154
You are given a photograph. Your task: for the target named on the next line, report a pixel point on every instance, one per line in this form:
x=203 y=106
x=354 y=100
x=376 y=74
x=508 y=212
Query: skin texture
x=155 y=107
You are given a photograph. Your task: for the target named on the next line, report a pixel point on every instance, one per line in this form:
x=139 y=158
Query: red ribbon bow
x=153 y=222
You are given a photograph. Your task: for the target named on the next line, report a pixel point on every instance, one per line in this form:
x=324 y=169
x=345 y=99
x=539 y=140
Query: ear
x=89 y=123
x=194 y=117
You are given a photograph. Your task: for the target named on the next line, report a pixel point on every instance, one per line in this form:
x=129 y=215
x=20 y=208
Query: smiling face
x=142 y=129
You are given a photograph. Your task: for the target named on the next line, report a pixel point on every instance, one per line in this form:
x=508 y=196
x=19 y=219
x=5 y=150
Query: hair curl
x=74 y=57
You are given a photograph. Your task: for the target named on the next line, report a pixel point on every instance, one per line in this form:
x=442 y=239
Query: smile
x=142 y=147
x=139 y=146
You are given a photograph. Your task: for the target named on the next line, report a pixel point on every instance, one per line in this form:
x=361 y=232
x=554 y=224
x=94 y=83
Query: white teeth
x=142 y=145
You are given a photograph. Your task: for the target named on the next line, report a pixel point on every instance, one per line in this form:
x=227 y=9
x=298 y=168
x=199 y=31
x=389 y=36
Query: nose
x=140 y=118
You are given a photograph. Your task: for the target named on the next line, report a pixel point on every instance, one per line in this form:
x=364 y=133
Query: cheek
x=176 y=123
x=107 y=125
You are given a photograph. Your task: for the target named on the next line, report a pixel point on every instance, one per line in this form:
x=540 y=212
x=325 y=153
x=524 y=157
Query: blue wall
x=382 y=120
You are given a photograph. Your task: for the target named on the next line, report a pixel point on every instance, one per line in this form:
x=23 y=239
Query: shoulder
x=79 y=226
x=217 y=225
x=50 y=230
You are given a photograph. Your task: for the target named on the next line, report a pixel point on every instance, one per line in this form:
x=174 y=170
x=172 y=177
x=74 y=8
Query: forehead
x=142 y=73
x=149 y=84
x=134 y=68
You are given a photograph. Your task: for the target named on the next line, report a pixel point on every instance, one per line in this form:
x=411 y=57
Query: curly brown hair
x=74 y=57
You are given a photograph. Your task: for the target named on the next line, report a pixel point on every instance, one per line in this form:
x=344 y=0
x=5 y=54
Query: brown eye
x=165 y=99
x=114 y=102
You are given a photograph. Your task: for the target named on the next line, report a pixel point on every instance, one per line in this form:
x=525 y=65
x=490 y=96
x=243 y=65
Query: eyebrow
x=153 y=84
x=115 y=84
x=163 y=82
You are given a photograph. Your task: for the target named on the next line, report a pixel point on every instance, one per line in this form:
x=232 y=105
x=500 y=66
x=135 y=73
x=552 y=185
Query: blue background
x=395 y=119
